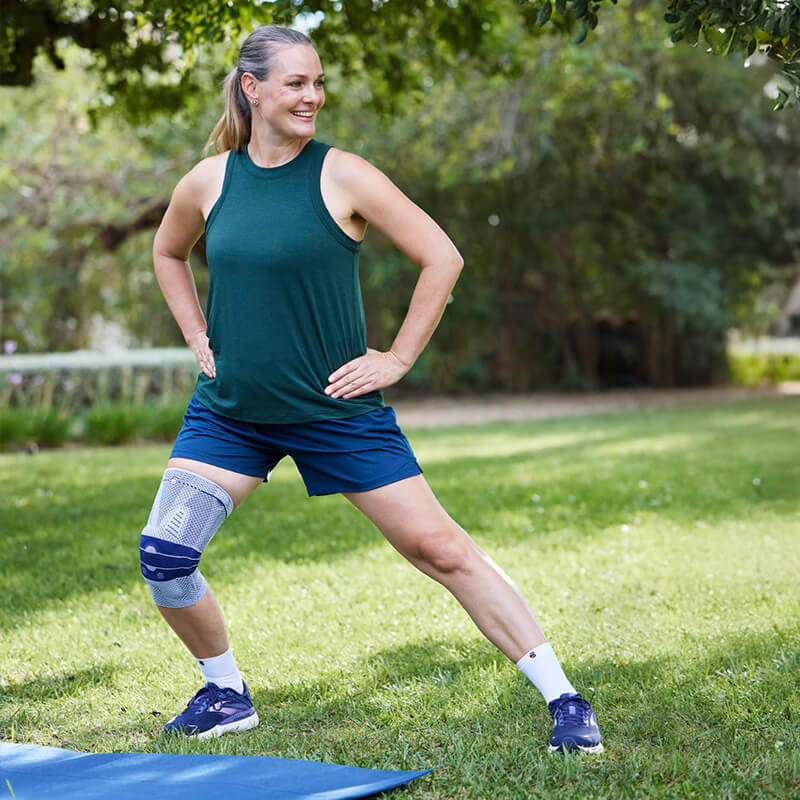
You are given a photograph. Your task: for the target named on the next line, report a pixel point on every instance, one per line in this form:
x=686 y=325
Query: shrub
x=162 y=421
x=15 y=426
x=50 y=428
x=112 y=424
x=763 y=369
x=107 y=423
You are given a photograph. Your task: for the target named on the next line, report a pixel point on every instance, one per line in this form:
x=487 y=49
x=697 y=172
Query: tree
x=616 y=204
x=144 y=50
x=770 y=26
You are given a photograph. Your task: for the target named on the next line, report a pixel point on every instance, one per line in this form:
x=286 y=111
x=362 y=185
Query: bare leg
x=201 y=627
x=416 y=525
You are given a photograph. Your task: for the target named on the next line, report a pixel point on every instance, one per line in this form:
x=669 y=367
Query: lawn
x=660 y=551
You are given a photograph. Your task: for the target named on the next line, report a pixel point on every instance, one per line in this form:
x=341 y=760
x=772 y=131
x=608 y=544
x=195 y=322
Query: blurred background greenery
x=621 y=204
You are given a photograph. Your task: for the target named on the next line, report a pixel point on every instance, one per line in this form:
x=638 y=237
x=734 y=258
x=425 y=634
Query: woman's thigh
x=237 y=485
x=406 y=512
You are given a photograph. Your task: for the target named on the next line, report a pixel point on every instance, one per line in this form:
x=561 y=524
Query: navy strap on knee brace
x=165 y=560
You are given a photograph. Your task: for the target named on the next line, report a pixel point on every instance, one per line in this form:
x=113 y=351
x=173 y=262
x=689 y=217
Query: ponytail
x=232 y=130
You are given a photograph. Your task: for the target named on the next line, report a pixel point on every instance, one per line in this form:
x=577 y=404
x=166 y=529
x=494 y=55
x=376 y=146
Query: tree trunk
x=586 y=343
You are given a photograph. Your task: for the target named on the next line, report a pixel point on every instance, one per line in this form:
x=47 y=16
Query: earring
x=254 y=101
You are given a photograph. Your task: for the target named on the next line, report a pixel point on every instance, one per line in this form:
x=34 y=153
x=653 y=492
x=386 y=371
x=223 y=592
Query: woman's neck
x=267 y=150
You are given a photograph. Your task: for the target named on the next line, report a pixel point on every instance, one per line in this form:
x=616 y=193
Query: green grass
x=659 y=550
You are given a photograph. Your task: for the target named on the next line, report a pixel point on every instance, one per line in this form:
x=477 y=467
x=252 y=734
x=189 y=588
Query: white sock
x=222 y=670
x=542 y=669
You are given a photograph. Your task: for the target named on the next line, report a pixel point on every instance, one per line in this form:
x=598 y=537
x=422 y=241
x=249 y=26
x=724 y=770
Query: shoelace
x=572 y=711
x=208 y=696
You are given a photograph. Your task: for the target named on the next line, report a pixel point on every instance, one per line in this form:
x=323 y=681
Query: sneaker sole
x=597 y=748
x=232 y=727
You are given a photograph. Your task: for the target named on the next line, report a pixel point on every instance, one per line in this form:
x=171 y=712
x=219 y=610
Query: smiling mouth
x=307 y=115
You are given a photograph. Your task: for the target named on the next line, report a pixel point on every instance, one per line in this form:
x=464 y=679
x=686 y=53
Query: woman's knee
x=444 y=550
x=187 y=511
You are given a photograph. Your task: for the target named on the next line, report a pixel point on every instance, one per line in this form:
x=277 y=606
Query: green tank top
x=284 y=302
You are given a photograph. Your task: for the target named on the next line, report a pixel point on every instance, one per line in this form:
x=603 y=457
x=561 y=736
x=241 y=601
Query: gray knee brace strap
x=186 y=513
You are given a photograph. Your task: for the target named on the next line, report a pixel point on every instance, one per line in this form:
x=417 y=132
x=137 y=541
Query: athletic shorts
x=336 y=455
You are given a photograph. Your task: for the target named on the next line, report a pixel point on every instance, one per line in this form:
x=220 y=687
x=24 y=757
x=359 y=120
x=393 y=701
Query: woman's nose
x=312 y=95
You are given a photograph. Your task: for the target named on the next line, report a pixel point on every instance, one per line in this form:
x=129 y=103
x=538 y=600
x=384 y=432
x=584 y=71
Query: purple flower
x=15 y=378
x=9 y=346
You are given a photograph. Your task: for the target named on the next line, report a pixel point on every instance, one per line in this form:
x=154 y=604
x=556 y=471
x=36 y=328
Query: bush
x=162 y=421
x=764 y=369
x=50 y=428
x=15 y=426
x=107 y=423
x=113 y=424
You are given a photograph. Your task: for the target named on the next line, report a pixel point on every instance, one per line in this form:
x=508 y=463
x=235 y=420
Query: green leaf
x=715 y=38
x=692 y=32
x=561 y=7
x=544 y=13
x=583 y=34
x=783 y=97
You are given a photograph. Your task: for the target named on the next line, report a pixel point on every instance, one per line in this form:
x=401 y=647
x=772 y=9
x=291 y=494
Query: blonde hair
x=256 y=56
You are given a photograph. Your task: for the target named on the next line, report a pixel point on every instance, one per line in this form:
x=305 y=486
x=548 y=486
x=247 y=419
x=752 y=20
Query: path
x=480 y=409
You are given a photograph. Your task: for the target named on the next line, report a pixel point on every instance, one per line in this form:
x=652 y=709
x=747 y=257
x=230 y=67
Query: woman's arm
x=180 y=228
x=377 y=200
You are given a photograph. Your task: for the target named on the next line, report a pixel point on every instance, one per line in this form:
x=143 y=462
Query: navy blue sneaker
x=214 y=711
x=574 y=725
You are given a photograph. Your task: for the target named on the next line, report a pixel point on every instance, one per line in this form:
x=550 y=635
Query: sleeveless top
x=284 y=302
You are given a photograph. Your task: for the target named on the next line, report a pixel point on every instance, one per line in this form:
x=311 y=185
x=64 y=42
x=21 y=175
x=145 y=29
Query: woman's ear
x=249 y=85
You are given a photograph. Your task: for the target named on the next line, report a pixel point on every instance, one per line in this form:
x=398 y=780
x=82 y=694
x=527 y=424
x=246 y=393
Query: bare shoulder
x=348 y=168
x=368 y=194
x=192 y=199
x=210 y=166
x=202 y=184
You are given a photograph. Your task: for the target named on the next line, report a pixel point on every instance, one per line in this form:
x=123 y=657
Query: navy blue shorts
x=336 y=455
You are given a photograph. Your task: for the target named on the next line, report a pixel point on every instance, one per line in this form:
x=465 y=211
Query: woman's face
x=293 y=94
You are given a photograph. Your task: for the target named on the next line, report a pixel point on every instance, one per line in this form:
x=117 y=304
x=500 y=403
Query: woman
x=286 y=371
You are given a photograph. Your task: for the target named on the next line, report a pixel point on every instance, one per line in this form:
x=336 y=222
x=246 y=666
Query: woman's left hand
x=374 y=370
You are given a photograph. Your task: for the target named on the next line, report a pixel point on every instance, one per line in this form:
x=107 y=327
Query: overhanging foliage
x=144 y=50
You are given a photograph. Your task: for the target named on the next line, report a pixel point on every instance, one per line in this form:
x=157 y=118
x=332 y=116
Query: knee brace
x=186 y=514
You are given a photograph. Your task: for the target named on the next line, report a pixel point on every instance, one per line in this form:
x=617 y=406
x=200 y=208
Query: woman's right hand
x=202 y=352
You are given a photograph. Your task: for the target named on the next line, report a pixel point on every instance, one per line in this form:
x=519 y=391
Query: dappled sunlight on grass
x=658 y=551
x=570 y=488
x=764 y=418
x=653 y=444
x=490 y=443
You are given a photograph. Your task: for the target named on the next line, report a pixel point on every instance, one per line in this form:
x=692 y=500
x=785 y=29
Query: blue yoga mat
x=50 y=773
